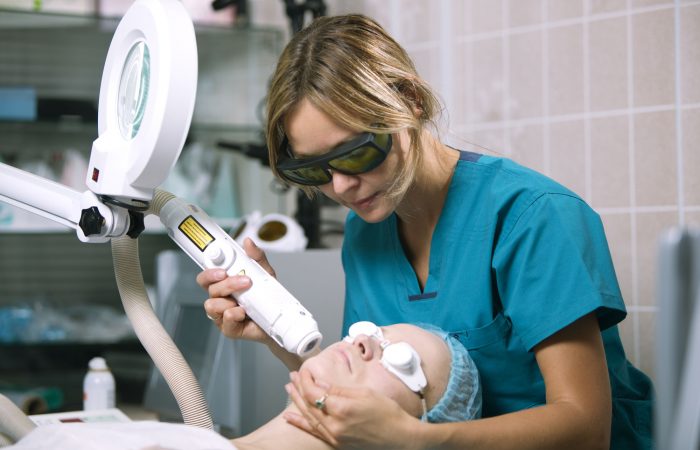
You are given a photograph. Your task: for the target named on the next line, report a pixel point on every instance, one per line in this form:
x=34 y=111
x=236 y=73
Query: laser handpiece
x=267 y=302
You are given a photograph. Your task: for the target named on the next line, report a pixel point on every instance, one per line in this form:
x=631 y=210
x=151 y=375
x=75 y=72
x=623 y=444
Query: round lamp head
x=147 y=98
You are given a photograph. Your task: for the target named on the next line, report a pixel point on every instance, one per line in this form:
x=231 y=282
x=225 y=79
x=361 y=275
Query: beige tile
x=376 y=9
x=610 y=169
x=626 y=328
x=618 y=230
x=419 y=21
x=565 y=70
x=647 y=342
x=461 y=106
x=608 y=64
x=488 y=80
x=564 y=9
x=645 y=3
x=690 y=53
x=649 y=228
x=653 y=40
x=567 y=155
x=474 y=141
x=691 y=157
x=527 y=146
x=487 y=15
x=427 y=62
x=462 y=16
x=335 y=7
x=606 y=6
x=524 y=12
x=655 y=159
x=525 y=80
x=492 y=141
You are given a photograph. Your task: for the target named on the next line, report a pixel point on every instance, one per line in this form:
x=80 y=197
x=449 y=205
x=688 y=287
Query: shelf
x=88 y=129
x=25 y=20
x=61 y=56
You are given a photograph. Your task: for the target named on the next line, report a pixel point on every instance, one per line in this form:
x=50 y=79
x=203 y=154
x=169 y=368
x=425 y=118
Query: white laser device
x=267 y=302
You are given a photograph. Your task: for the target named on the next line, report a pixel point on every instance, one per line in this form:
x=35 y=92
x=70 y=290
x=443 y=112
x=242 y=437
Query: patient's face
x=359 y=364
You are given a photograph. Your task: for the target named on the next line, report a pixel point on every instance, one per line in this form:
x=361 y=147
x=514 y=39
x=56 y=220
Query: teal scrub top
x=514 y=258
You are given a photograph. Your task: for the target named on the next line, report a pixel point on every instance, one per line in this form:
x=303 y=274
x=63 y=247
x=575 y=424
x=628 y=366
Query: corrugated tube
x=154 y=338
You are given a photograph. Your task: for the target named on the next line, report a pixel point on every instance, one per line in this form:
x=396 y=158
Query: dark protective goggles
x=359 y=155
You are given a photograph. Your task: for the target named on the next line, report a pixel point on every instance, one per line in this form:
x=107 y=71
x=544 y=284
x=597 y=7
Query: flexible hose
x=13 y=422
x=154 y=338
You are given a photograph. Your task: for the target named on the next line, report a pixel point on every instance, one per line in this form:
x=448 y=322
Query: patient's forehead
x=429 y=346
x=405 y=332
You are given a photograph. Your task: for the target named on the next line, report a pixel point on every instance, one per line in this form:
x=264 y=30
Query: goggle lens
x=370 y=152
x=358 y=161
x=308 y=175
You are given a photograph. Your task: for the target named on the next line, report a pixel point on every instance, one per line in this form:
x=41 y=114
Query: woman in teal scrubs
x=511 y=263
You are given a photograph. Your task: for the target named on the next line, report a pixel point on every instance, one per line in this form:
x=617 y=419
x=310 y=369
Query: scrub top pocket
x=510 y=378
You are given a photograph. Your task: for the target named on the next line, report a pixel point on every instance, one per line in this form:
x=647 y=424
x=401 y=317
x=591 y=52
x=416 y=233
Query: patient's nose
x=366 y=346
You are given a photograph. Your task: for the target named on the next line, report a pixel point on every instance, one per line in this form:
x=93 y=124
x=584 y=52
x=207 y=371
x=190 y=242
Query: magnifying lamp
x=147 y=99
x=146 y=103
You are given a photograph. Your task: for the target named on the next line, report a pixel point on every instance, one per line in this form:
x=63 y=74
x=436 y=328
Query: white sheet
x=144 y=435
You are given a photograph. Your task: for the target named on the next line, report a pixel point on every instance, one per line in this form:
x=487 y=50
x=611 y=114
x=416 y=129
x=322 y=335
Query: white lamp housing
x=147 y=99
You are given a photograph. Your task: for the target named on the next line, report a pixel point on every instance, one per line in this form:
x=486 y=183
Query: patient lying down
x=445 y=389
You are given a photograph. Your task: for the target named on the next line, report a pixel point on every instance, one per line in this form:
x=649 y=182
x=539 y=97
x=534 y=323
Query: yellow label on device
x=195 y=232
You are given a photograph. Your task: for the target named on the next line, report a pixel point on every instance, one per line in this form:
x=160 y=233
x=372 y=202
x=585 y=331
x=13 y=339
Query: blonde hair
x=352 y=70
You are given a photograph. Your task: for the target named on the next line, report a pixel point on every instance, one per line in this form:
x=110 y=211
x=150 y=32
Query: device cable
x=155 y=339
x=14 y=424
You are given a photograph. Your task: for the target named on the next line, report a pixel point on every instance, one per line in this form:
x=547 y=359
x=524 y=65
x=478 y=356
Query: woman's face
x=311 y=133
x=359 y=364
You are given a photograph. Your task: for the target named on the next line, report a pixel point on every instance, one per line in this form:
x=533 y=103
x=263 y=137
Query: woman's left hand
x=350 y=417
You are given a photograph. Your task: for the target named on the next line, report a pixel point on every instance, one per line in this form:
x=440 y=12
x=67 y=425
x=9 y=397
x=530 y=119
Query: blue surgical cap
x=462 y=398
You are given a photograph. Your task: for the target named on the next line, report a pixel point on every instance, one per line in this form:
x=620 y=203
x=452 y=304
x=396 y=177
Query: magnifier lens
x=133 y=90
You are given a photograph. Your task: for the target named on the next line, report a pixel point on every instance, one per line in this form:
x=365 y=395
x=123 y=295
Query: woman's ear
x=409 y=91
x=418 y=112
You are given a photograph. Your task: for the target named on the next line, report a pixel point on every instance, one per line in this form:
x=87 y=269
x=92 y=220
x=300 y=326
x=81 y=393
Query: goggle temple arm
x=424 y=404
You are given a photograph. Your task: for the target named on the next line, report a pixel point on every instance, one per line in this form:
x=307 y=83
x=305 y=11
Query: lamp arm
x=93 y=220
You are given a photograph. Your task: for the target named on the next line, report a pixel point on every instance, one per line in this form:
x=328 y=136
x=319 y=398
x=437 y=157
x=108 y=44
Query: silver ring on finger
x=320 y=403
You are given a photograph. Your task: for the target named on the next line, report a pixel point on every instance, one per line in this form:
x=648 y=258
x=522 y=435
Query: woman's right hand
x=221 y=306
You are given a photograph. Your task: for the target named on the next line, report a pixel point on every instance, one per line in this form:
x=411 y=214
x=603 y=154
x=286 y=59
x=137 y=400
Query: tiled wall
x=601 y=95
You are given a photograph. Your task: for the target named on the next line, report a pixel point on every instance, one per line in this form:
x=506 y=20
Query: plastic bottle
x=98 y=386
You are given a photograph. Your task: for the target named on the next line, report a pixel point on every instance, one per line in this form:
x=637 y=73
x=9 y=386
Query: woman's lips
x=364 y=203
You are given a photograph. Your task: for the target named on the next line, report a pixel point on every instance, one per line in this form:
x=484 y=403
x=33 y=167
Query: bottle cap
x=97 y=363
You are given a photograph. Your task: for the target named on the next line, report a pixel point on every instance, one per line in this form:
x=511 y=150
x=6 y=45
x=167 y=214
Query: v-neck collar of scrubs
x=438 y=241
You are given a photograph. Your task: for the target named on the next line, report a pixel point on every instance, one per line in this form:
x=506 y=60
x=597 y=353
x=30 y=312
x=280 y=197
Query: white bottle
x=98 y=386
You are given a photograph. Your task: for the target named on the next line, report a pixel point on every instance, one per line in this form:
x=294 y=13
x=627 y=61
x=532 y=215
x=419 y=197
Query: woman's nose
x=366 y=347
x=342 y=183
